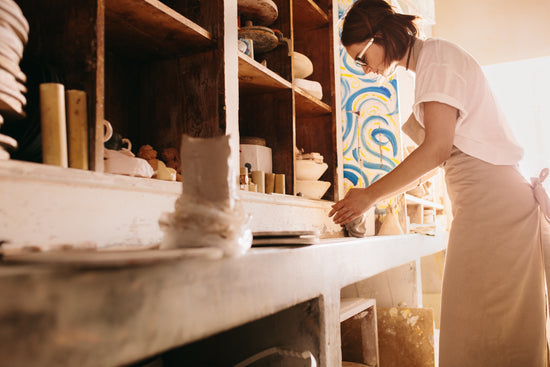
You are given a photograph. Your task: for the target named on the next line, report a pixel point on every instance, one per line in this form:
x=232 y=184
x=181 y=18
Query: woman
x=493 y=297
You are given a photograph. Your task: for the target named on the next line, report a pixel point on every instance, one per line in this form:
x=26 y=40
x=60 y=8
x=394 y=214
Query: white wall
x=496 y=31
x=521 y=87
x=511 y=38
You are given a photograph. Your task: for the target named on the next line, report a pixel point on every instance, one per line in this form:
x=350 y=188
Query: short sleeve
x=440 y=83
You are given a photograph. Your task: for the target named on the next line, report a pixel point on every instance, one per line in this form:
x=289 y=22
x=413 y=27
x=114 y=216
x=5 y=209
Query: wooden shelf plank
x=308 y=15
x=253 y=75
x=309 y=106
x=148 y=27
x=350 y=307
x=416 y=200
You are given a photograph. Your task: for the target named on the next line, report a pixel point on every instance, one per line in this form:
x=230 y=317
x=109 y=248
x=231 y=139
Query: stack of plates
x=14 y=30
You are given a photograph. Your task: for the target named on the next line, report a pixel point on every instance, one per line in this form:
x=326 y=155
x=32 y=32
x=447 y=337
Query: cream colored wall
x=496 y=31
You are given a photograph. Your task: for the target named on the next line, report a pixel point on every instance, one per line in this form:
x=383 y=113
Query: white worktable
x=98 y=317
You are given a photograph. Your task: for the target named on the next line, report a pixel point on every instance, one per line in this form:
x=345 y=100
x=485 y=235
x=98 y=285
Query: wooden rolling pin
x=53 y=123
x=77 y=128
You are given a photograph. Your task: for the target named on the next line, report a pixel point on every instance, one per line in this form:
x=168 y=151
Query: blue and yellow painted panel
x=370 y=121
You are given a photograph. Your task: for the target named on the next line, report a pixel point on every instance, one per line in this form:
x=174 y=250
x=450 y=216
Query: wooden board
x=285 y=233
x=285 y=241
x=309 y=106
x=149 y=26
x=406 y=337
x=352 y=306
x=255 y=76
x=307 y=14
x=285 y=238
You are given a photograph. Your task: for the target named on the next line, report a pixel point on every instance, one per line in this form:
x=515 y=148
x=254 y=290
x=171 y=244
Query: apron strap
x=540 y=193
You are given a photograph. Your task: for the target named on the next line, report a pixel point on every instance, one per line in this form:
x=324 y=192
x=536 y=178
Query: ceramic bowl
x=309 y=170
x=303 y=67
x=312 y=189
x=312 y=87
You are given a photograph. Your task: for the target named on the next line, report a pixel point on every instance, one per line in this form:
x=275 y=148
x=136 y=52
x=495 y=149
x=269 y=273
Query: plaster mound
x=208 y=213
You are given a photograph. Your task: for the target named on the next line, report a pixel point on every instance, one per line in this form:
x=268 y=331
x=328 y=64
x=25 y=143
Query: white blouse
x=448 y=74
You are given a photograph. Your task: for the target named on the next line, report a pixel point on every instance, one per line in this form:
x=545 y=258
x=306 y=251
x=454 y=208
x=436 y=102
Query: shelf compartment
x=148 y=27
x=350 y=307
x=308 y=15
x=309 y=106
x=309 y=139
x=269 y=116
x=255 y=76
x=411 y=200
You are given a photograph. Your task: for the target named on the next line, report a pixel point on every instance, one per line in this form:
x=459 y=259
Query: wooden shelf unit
x=157 y=69
x=273 y=108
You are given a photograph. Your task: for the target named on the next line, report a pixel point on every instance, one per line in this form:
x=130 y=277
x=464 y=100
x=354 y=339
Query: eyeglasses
x=359 y=59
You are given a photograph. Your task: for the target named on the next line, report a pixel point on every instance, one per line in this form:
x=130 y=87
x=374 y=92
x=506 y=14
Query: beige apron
x=493 y=297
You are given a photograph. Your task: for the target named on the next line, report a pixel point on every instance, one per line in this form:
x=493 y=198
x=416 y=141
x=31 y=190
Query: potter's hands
x=354 y=204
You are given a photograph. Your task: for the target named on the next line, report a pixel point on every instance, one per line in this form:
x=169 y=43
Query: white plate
x=11 y=106
x=109 y=259
x=13 y=68
x=8 y=81
x=16 y=95
x=11 y=12
x=10 y=45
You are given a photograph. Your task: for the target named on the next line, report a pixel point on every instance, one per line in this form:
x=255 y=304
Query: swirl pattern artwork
x=370 y=121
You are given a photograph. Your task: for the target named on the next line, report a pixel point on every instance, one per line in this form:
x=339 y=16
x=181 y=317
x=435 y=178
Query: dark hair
x=376 y=18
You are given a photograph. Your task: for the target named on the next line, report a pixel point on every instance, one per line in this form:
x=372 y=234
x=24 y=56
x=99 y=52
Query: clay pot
x=262 y=12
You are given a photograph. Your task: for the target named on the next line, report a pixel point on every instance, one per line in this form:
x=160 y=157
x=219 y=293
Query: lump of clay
x=207 y=214
x=161 y=171
x=171 y=158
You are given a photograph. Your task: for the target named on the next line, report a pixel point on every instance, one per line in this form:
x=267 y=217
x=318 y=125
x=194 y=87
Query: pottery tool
x=77 y=129
x=53 y=123
x=258 y=177
x=280 y=183
x=269 y=183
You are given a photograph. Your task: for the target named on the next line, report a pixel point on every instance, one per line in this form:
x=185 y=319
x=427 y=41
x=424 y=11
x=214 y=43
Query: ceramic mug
x=128 y=148
x=107 y=130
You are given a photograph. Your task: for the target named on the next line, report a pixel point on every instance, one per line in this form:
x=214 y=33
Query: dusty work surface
x=83 y=316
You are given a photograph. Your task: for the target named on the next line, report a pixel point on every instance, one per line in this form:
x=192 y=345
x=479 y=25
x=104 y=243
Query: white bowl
x=312 y=189
x=303 y=67
x=312 y=87
x=309 y=170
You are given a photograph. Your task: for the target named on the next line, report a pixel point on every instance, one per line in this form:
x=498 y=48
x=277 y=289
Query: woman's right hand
x=356 y=202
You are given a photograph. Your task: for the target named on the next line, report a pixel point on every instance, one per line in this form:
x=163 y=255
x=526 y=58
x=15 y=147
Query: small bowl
x=312 y=87
x=312 y=189
x=303 y=67
x=309 y=170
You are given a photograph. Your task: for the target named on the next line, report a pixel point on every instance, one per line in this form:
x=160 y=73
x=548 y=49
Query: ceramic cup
x=107 y=131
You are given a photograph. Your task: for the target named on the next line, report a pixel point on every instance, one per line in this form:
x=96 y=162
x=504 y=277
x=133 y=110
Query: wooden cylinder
x=269 y=183
x=77 y=129
x=53 y=124
x=258 y=177
x=280 y=183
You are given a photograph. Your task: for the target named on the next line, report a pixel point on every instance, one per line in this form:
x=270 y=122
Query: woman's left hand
x=356 y=202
